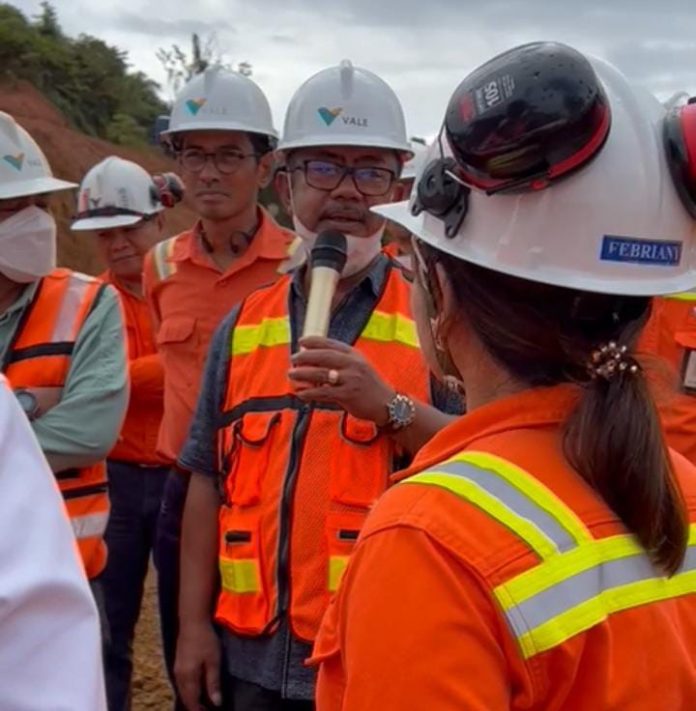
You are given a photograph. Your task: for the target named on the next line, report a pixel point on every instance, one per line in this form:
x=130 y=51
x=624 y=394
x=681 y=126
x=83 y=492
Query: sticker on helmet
x=16 y=161
x=195 y=105
x=641 y=251
x=493 y=92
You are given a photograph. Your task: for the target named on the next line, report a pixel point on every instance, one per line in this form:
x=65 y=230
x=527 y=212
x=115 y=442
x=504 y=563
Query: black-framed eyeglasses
x=326 y=175
x=226 y=160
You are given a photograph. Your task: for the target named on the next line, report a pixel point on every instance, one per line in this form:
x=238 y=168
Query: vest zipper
x=286 y=505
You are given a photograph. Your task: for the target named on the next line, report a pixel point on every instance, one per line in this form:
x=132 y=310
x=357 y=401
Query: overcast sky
x=423 y=48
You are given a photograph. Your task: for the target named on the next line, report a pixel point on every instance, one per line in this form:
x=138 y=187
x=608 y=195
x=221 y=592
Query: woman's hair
x=545 y=335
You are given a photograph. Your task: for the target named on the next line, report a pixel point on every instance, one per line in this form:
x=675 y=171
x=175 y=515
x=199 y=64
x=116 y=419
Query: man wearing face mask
x=61 y=342
x=302 y=433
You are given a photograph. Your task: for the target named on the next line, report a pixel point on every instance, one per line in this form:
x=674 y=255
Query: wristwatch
x=402 y=413
x=28 y=402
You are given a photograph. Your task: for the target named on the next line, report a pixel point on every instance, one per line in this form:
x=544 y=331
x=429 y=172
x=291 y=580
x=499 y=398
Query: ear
x=281 y=183
x=266 y=168
x=444 y=301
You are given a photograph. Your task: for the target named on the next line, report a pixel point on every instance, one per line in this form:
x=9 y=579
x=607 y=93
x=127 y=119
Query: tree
x=47 y=22
x=180 y=67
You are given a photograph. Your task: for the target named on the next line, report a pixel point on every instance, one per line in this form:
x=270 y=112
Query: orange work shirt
x=671 y=335
x=137 y=442
x=432 y=612
x=189 y=301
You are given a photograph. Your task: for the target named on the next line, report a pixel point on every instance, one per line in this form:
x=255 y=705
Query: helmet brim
x=215 y=126
x=34 y=186
x=346 y=141
x=88 y=224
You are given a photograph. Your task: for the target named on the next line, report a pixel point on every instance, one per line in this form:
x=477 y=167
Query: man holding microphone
x=301 y=434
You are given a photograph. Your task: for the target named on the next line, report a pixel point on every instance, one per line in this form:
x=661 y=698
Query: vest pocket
x=359 y=463
x=244 y=597
x=248 y=460
x=342 y=531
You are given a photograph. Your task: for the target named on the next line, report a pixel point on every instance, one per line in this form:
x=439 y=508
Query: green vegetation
x=89 y=81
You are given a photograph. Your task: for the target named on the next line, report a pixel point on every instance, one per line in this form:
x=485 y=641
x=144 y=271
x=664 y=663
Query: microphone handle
x=321 y=293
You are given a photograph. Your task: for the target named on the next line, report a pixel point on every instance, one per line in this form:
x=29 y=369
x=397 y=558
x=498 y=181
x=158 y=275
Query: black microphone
x=328 y=257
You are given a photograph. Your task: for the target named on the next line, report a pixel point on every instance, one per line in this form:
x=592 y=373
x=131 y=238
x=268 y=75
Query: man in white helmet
x=122 y=206
x=301 y=442
x=61 y=342
x=49 y=627
x=222 y=133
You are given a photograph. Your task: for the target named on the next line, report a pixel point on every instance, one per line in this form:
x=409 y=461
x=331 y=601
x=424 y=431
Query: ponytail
x=547 y=335
x=614 y=439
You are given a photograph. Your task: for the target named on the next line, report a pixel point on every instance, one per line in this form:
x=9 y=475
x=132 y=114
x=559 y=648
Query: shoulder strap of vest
x=579 y=580
x=78 y=300
x=391 y=321
x=162 y=258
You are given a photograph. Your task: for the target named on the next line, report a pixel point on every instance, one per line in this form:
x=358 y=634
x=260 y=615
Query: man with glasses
x=300 y=435
x=222 y=134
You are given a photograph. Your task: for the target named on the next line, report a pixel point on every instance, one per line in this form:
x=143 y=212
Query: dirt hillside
x=71 y=154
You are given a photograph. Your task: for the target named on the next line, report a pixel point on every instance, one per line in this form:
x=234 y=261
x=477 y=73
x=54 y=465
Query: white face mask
x=361 y=250
x=28 y=245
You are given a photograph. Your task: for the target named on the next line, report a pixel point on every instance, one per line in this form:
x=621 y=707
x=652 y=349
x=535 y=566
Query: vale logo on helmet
x=16 y=161
x=195 y=105
x=329 y=116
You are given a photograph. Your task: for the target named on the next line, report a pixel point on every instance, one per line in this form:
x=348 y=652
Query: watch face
x=402 y=410
x=27 y=401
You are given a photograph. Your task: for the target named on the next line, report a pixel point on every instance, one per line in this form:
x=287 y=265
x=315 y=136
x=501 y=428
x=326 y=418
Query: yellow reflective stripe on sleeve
x=162 y=254
x=565 y=565
x=477 y=495
x=270 y=332
x=240 y=576
x=337 y=566
x=684 y=296
x=576 y=590
x=530 y=487
x=391 y=328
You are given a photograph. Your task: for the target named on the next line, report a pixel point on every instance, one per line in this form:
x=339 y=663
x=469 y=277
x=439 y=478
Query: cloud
x=422 y=49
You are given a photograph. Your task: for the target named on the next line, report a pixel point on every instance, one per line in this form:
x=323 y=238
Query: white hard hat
x=24 y=169
x=615 y=226
x=115 y=193
x=413 y=166
x=345 y=106
x=221 y=100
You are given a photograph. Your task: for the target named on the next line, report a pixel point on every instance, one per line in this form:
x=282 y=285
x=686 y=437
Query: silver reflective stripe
x=90 y=526
x=66 y=322
x=513 y=499
x=589 y=584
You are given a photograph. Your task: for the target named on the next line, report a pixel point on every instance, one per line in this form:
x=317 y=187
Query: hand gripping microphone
x=328 y=258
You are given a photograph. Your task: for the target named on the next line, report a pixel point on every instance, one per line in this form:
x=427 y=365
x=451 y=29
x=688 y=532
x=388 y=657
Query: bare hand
x=331 y=371
x=198 y=663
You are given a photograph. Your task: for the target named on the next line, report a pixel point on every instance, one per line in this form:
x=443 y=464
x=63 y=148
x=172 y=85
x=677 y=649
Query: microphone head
x=330 y=250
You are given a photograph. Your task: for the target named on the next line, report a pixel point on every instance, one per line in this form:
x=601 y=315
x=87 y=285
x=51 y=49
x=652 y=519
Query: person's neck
x=133 y=285
x=227 y=240
x=9 y=292
x=344 y=286
x=485 y=382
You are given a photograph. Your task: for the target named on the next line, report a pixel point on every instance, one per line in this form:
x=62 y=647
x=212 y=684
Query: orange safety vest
x=39 y=357
x=300 y=479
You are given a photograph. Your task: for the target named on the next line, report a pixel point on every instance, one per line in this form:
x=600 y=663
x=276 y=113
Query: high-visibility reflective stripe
x=66 y=325
x=684 y=296
x=162 y=254
x=512 y=497
x=530 y=488
x=240 y=576
x=90 y=526
x=391 y=328
x=270 y=332
x=337 y=566
x=475 y=494
x=582 y=601
x=580 y=580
